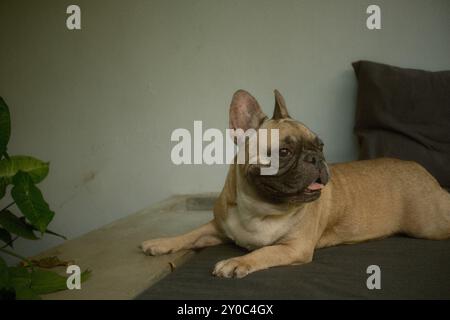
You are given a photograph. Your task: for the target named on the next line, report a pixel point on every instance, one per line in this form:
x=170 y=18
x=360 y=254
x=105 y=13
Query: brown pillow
x=405 y=114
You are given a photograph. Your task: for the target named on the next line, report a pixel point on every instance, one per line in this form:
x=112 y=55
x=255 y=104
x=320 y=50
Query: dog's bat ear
x=245 y=112
x=280 y=111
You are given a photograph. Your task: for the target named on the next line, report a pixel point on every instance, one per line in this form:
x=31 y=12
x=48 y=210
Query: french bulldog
x=281 y=219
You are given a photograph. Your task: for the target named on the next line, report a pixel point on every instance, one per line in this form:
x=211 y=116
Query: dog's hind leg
x=204 y=236
x=430 y=217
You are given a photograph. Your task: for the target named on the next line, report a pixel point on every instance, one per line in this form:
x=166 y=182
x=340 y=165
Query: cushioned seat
x=410 y=269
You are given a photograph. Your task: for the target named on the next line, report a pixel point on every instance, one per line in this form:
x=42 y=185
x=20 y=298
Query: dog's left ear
x=280 y=111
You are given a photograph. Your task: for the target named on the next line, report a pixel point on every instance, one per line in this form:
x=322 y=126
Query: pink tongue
x=315 y=186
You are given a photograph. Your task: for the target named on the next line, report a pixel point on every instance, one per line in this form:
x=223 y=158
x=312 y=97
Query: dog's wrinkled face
x=302 y=171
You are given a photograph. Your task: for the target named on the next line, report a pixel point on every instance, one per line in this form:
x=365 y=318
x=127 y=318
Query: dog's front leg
x=205 y=236
x=263 y=258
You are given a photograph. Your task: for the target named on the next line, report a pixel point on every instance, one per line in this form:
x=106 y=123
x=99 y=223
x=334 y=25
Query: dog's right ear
x=245 y=112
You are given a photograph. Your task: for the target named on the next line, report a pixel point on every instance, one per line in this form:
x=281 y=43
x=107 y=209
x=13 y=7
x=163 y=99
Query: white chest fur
x=254 y=224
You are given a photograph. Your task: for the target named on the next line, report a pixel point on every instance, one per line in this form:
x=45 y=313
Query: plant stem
x=10 y=243
x=14 y=255
x=9 y=205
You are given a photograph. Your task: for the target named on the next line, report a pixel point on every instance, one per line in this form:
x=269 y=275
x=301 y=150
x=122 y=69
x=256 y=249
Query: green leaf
x=24 y=293
x=5 y=127
x=30 y=201
x=46 y=231
x=17 y=226
x=37 y=169
x=85 y=275
x=6 y=289
x=30 y=283
x=5 y=236
x=3 y=185
x=44 y=281
x=19 y=277
x=4 y=275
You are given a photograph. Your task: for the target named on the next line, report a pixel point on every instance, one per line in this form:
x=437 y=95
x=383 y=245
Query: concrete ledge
x=119 y=269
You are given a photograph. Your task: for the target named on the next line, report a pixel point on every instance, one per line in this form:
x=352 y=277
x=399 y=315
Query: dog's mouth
x=314 y=187
x=289 y=187
x=279 y=193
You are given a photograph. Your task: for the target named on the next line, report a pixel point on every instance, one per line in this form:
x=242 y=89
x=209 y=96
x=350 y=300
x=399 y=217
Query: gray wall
x=100 y=103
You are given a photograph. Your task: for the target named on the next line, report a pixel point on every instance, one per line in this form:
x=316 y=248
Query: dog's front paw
x=232 y=268
x=157 y=247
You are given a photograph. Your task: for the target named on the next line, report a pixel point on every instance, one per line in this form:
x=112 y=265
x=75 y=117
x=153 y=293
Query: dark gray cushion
x=410 y=269
x=405 y=114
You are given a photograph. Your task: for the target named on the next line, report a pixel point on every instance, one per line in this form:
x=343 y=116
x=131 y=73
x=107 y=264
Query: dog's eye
x=284 y=152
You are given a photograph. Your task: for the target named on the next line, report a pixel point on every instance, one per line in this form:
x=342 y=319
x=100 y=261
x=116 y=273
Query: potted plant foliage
x=27 y=216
